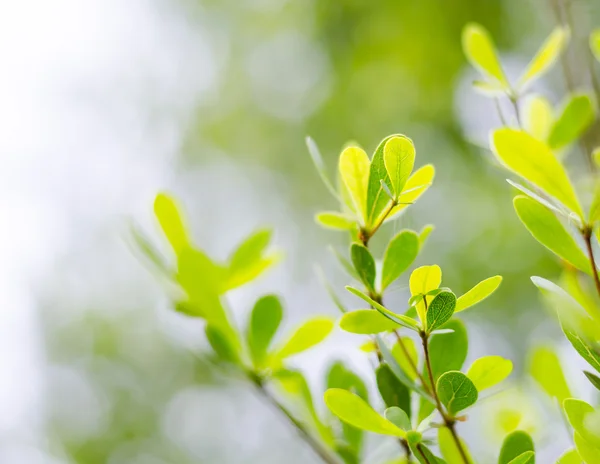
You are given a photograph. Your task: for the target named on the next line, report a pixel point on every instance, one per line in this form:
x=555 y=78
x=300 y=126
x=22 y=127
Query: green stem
x=367 y=234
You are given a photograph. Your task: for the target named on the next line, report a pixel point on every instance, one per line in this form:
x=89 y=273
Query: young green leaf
x=311 y=333
x=248 y=261
x=143 y=244
x=449 y=450
x=528 y=457
x=547 y=203
x=546 y=56
x=423 y=453
x=576 y=117
x=440 y=310
x=546 y=370
x=392 y=391
x=377 y=199
x=480 y=51
x=354 y=171
x=548 y=230
x=422 y=280
x=514 y=445
x=588 y=452
x=534 y=161
x=333 y=220
x=398 y=417
x=353 y=410
x=424 y=234
x=576 y=411
x=583 y=347
x=416 y=185
x=537 y=116
x=169 y=217
x=489 y=371
x=317 y=159
x=593 y=378
x=478 y=293
x=447 y=352
x=364 y=264
x=264 y=322
x=456 y=391
x=595 y=43
x=221 y=344
x=399 y=255
x=406 y=356
x=399 y=160
x=366 y=322
x=489 y=89
x=570 y=457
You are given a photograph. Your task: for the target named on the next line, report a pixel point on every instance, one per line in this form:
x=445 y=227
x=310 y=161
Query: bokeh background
x=103 y=103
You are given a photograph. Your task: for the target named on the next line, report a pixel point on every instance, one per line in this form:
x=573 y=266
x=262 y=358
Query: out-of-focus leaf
x=169 y=217
x=588 y=352
x=570 y=457
x=353 y=410
x=423 y=453
x=440 y=310
x=449 y=450
x=539 y=199
x=545 y=368
x=398 y=417
x=588 y=452
x=399 y=160
x=416 y=185
x=456 y=391
x=317 y=159
x=514 y=445
x=537 y=116
x=534 y=161
x=221 y=344
x=528 y=457
x=264 y=322
x=478 y=293
x=330 y=291
x=479 y=48
x=422 y=280
x=144 y=245
x=490 y=89
x=345 y=264
x=576 y=117
x=577 y=412
x=399 y=255
x=364 y=264
x=447 y=352
x=354 y=170
x=333 y=220
x=407 y=358
x=311 y=333
x=593 y=378
x=489 y=371
x=548 y=230
x=546 y=56
x=595 y=43
x=392 y=391
x=424 y=234
x=366 y=322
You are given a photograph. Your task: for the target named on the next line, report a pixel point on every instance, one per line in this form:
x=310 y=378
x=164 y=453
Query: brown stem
x=365 y=235
x=420 y=450
x=587 y=237
x=410 y=360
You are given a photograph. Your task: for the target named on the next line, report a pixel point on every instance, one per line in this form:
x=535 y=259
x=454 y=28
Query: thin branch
x=587 y=237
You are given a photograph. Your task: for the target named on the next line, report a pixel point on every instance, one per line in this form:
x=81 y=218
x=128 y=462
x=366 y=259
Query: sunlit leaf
x=399 y=160
x=364 y=264
x=576 y=116
x=311 y=333
x=406 y=357
x=221 y=344
x=548 y=230
x=537 y=116
x=588 y=452
x=398 y=417
x=577 y=412
x=143 y=244
x=545 y=368
x=490 y=89
x=355 y=411
x=570 y=457
x=595 y=206
x=399 y=255
x=264 y=322
x=478 y=293
x=595 y=43
x=440 y=310
x=534 y=161
x=377 y=199
x=249 y=260
x=417 y=185
x=514 y=445
x=528 y=457
x=392 y=391
x=593 y=378
x=422 y=280
x=333 y=220
x=546 y=56
x=489 y=371
x=366 y=322
x=424 y=234
x=354 y=170
x=555 y=208
x=456 y=391
x=584 y=348
x=480 y=51
x=317 y=159
x=169 y=217
x=449 y=450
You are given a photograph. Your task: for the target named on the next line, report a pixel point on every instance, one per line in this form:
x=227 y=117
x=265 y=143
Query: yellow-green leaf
x=534 y=161
x=264 y=322
x=399 y=159
x=478 y=293
x=333 y=220
x=577 y=115
x=169 y=217
x=449 y=450
x=538 y=116
x=422 y=280
x=353 y=410
x=354 y=171
x=548 y=230
x=546 y=370
x=481 y=53
x=570 y=457
x=491 y=89
x=366 y=322
x=311 y=333
x=488 y=371
x=595 y=43
x=588 y=452
x=546 y=56
x=406 y=357
x=417 y=185
x=577 y=412
x=595 y=206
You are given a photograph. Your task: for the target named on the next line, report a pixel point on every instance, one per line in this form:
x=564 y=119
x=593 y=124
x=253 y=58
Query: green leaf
x=417 y=185
x=456 y=391
x=143 y=244
x=547 y=203
x=489 y=89
x=364 y=264
x=489 y=371
x=398 y=417
x=422 y=280
x=514 y=445
x=400 y=319
x=392 y=391
x=478 y=293
x=311 y=333
x=528 y=457
x=595 y=43
x=330 y=291
x=366 y=322
x=354 y=168
x=248 y=261
x=593 y=378
x=169 y=217
x=548 y=230
x=333 y=220
x=264 y=322
x=595 y=206
x=399 y=160
x=317 y=159
x=584 y=348
x=377 y=199
x=538 y=116
x=221 y=344
x=588 y=452
x=448 y=447
x=546 y=370
x=345 y=264
x=407 y=363
x=440 y=310
x=424 y=234
x=576 y=117
x=534 y=161
x=480 y=51
x=576 y=411
x=570 y=457
x=399 y=255
x=546 y=56
x=353 y=410
x=422 y=453
x=447 y=352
